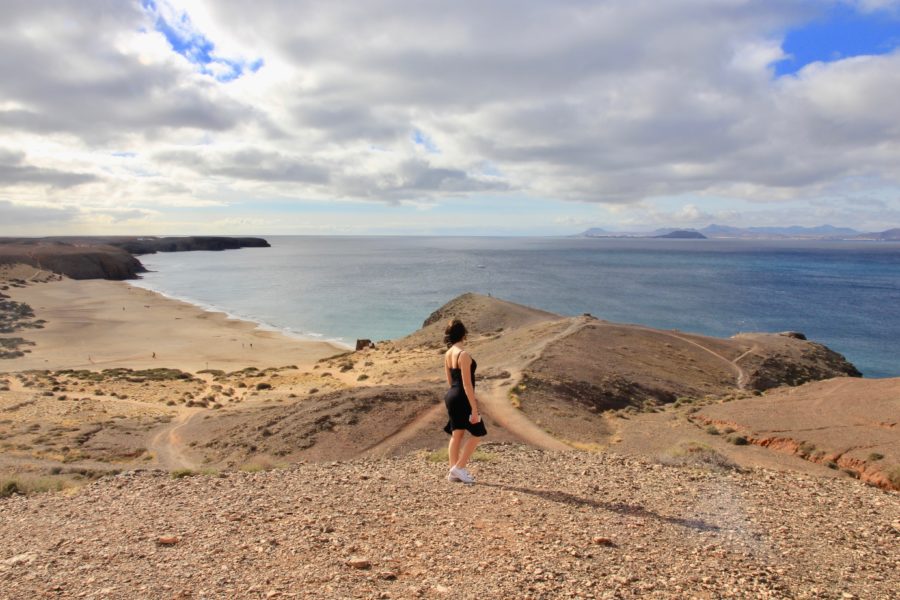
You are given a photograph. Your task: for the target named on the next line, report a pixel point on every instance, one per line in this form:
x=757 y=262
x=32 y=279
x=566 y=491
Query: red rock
x=359 y=563
x=167 y=540
x=603 y=541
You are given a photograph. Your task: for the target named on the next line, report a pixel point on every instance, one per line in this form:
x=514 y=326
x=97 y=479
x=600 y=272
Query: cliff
x=187 y=244
x=76 y=261
x=107 y=257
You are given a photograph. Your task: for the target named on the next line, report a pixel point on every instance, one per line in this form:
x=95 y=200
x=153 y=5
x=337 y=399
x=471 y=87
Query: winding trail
x=742 y=376
x=740 y=373
x=495 y=401
x=168 y=447
x=406 y=432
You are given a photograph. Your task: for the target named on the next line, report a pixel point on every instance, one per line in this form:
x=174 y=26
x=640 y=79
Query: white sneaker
x=462 y=475
x=452 y=477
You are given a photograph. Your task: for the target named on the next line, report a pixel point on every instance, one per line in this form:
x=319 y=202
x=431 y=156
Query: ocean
x=845 y=295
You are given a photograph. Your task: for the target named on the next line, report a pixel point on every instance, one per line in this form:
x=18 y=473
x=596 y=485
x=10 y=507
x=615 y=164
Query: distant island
x=714 y=231
x=682 y=234
x=111 y=257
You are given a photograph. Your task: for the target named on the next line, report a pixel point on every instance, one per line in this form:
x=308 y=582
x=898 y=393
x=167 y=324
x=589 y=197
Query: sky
x=426 y=117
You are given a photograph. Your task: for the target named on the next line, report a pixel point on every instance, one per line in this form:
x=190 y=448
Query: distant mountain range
x=822 y=232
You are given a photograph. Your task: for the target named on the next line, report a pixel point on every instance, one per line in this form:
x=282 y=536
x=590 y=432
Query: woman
x=462 y=404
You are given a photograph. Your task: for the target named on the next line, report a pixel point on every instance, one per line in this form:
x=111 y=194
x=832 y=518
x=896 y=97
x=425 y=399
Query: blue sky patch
x=190 y=43
x=420 y=139
x=839 y=33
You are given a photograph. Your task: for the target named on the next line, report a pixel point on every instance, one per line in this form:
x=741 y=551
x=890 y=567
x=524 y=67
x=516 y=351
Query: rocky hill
x=549 y=381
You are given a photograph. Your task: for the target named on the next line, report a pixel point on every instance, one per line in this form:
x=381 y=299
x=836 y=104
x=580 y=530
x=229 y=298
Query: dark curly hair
x=454 y=332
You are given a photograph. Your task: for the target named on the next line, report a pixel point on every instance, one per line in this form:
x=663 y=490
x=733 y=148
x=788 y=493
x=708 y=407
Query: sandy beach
x=100 y=324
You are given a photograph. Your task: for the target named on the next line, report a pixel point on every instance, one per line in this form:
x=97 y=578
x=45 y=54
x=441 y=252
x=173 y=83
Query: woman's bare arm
x=465 y=364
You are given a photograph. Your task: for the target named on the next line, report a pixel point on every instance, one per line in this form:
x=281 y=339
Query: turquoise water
x=843 y=294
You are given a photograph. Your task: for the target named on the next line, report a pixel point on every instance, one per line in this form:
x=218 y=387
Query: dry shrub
x=695 y=454
x=27 y=484
x=894 y=476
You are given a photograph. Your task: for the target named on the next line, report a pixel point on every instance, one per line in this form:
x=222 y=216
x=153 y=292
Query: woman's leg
x=455 y=442
x=467 y=450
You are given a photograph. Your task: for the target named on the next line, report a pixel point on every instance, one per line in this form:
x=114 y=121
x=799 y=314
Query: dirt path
x=406 y=432
x=740 y=374
x=495 y=400
x=167 y=445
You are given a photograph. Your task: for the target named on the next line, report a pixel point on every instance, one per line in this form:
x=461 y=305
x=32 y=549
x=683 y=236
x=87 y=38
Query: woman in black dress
x=462 y=404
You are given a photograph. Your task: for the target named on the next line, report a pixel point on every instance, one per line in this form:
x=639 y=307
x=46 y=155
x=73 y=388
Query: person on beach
x=461 y=402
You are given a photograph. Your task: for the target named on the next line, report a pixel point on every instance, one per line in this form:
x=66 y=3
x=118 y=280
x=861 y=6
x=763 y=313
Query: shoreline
x=100 y=324
x=230 y=316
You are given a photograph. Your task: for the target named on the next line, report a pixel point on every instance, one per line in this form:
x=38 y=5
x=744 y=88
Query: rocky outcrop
x=791 y=359
x=107 y=257
x=187 y=244
x=75 y=261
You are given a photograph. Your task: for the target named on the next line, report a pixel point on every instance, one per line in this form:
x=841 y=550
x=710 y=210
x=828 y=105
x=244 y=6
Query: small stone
x=441 y=589
x=21 y=559
x=273 y=594
x=359 y=563
x=388 y=575
x=167 y=540
x=603 y=541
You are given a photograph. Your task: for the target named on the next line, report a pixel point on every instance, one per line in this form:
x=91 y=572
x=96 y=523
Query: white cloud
x=616 y=102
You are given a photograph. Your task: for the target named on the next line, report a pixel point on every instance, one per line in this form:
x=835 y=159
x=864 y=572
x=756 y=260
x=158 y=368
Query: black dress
x=458 y=406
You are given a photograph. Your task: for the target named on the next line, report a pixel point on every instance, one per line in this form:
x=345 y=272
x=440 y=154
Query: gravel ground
x=537 y=525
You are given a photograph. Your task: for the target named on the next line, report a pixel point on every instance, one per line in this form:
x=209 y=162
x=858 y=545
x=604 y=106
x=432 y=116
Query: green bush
x=738 y=440
x=712 y=430
x=875 y=456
